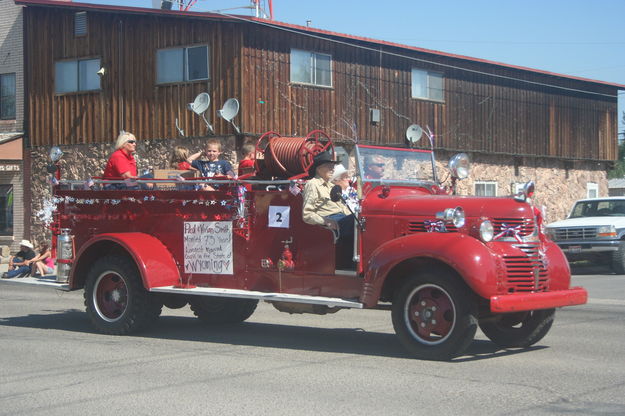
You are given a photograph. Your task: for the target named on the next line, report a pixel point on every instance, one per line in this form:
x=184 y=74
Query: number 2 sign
x=279 y=216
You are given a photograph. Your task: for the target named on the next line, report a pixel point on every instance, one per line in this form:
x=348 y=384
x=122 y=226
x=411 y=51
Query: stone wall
x=81 y=162
x=558 y=185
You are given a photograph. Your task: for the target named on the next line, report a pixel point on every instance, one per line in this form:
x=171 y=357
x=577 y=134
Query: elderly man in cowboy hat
x=19 y=265
x=319 y=209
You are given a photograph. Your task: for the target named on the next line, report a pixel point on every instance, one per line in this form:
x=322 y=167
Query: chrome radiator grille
x=525 y=225
x=526 y=273
x=419 y=227
x=579 y=233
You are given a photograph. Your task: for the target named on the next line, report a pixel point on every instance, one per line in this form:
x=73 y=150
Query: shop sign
x=9 y=168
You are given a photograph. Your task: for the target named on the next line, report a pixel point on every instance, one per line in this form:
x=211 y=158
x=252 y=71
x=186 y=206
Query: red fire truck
x=443 y=264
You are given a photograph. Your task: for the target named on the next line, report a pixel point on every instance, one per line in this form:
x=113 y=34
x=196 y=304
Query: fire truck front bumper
x=519 y=302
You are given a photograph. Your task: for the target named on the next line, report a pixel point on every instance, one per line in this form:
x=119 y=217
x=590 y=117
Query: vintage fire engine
x=443 y=264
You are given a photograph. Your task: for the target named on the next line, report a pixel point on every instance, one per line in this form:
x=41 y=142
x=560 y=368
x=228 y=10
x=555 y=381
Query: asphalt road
x=53 y=363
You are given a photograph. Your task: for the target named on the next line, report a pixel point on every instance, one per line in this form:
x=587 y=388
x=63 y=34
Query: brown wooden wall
x=251 y=62
x=129 y=98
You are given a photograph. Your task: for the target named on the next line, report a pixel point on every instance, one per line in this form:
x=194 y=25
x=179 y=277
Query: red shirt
x=120 y=162
x=184 y=166
x=246 y=166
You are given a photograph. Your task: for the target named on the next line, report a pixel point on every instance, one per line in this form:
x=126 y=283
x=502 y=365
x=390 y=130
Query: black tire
x=434 y=315
x=219 y=310
x=618 y=260
x=115 y=299
x=518 y=330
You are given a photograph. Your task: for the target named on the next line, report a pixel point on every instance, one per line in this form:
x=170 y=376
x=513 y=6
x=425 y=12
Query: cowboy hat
x=321 y=159
x=26 y=243
x=339 y=170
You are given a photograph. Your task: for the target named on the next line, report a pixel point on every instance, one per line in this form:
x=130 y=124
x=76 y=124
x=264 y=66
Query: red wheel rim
x=110 y=296
x=430 y=314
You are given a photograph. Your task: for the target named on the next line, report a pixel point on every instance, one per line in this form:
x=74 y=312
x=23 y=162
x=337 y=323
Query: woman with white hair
x=122 y=164
x=340 y=177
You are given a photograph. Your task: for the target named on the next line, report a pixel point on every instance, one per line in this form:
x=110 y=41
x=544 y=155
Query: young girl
x=43 y=263
x=179 y=159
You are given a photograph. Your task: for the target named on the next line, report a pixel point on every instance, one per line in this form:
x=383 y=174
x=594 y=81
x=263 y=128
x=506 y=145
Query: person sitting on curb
x=19 y=265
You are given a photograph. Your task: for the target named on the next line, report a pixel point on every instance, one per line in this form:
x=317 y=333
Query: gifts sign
x=208 y=247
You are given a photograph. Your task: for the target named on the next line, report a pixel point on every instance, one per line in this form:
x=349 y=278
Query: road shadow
x=257 y=334
x=586 y=268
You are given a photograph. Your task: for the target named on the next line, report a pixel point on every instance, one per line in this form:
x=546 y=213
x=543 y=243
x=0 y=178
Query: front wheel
x=115 y=299
x=618 y=259
x=434 y=315
x=519 y=329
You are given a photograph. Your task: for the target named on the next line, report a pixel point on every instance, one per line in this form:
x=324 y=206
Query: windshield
x=386 y=164
x=599 y=208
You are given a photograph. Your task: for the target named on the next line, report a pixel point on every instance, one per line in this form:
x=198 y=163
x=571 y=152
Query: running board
x=266 y=296
x=49 y=281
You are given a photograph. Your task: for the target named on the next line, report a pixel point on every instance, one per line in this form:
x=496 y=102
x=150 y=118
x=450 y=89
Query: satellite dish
x=230 y=111
x=414 y=133
x=199 y=107
x=55 y=154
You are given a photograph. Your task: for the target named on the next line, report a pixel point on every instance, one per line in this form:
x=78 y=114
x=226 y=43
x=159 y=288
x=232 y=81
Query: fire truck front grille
x=588 y=233
x=525 y=226
x=526 y=273
x=419 y=227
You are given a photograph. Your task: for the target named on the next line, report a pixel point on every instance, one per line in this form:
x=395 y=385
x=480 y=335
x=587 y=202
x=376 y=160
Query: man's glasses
x=131 y=141
x=380 y=165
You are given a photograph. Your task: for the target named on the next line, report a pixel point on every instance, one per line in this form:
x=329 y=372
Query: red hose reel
x=289 y=157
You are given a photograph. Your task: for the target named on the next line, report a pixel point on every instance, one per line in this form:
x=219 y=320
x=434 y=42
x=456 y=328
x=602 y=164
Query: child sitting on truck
x=246 y=165
x=211 y=166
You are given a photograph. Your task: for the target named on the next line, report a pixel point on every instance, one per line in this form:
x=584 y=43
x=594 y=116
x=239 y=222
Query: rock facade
x=558 y=183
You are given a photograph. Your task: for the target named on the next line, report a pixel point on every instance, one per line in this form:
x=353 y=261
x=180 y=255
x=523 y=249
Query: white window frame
x=590 y=188
x=430 y=77
x=78 y=86
x=517 y=187
x=312 y=68
x=184 y=75
x=485 y=183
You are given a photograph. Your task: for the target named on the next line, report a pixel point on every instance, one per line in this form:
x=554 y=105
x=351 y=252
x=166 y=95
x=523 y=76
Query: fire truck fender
x=154 y=261
x=401 y=257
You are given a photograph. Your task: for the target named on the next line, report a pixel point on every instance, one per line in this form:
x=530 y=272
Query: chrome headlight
x=452 y=215
x=606 y=231
x=487 y=231
x=459 y=166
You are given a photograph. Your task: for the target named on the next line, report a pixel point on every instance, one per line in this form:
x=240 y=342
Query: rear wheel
x=115 y=299
x=520 y=329
x=218 y=310
x=434 y=315
x=618 y=260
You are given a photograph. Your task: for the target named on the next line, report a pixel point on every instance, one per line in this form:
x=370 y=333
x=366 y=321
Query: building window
x=311 y=68
x=485 y=188
x=182 y=64
x=7 y=96
x=427 y=85
x=6 y=209
x=78 y=75
x=80 y=24
x=592 y=190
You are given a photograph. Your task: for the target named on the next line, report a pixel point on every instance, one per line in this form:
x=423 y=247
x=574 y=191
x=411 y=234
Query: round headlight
x=459 y=166
x=458 y=217
x=487 y=232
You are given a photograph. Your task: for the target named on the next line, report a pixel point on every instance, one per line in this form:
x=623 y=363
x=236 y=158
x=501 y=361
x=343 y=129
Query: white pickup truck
x=594 y=230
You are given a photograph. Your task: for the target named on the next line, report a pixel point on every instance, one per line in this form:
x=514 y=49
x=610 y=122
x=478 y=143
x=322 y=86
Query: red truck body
x=222 y=251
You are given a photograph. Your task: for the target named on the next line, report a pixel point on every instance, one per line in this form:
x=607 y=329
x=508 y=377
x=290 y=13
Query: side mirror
x=336 y=193
x=459 y=166
x=526 y=192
